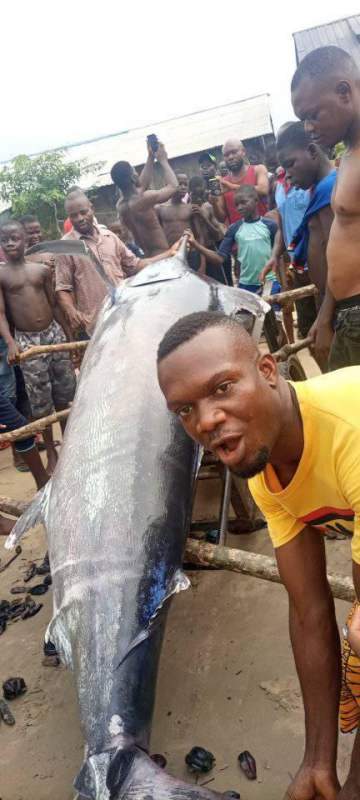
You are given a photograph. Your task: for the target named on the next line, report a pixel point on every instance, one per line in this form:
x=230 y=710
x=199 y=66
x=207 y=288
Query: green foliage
x=38 y=186
x=339 y=149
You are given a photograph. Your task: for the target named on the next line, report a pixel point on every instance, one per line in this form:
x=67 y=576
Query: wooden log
x=255 y=564
x=292 y=294
x=34 y=427
x=39 y=350
x=13 y=507
x=288 y=349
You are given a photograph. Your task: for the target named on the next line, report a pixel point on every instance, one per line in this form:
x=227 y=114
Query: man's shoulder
x=333 y=394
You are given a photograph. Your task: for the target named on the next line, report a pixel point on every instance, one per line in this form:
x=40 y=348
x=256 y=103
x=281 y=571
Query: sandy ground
x=226 y=682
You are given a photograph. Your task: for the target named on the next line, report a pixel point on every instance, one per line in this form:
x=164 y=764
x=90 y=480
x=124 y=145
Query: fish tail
x=34 y=514
x=132 y=775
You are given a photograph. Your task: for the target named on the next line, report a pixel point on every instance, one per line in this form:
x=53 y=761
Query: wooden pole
x=292 y=294
x=39 y=350
x=215 y=555
x=288 y=349
x=34 y=427
x=255 y=564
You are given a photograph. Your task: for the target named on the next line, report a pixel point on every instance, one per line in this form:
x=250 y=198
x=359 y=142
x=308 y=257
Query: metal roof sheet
x=344 y=33
x=192 y=133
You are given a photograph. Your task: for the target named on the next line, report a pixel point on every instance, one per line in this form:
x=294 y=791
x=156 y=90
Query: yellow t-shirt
x=325 y=490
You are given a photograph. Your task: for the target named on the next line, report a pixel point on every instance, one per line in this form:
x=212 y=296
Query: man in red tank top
x=240 y=173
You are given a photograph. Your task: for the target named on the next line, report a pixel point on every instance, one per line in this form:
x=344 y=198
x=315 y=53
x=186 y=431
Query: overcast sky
x=74 y=71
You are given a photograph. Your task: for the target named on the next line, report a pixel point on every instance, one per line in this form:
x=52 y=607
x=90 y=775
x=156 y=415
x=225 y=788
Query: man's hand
x=322 y=335
x=13 y=352
x=161 y=154
x=270 y=266
x=76 y=318
x=197 y=211
x=151 y=154
x=314 y=784
x=190 y=237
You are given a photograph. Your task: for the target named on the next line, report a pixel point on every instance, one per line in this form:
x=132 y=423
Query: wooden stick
x=34 y=427
x=255 y=564
x=39 y=350
x=288 y=349
x=292 y=294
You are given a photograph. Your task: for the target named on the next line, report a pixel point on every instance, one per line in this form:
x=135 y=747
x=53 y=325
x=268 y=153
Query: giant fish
x=117 y=513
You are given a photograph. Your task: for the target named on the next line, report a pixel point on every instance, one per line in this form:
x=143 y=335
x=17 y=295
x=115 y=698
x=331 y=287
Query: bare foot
x=6 y=525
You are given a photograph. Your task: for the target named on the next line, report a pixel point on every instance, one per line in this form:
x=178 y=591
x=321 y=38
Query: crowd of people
x=299 y=444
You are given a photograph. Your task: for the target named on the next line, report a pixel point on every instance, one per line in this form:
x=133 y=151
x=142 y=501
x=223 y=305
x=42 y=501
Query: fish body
x=117 y=512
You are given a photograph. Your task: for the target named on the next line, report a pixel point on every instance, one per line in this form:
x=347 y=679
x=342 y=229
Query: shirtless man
x=175 y=215
x=137 y=205
x=326 y=97
x=26 y=296
x=240 y=172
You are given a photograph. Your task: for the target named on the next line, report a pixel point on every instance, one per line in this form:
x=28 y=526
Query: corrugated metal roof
x=344 y=33
x=192 y=133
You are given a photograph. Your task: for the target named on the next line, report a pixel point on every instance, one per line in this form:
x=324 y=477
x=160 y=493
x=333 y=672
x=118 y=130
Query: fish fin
x=34 y=514
x=178 y=582
x=91 y=780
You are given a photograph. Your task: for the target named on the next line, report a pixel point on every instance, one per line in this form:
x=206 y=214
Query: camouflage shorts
x=49 y=379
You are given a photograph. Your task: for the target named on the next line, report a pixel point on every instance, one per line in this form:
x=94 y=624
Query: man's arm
x=13 y=350
x=262 y=180
x=316 y=647
x=65 y=293
x=147 y=173
x=59 y=315
x=278 y=249
x=210 y=255
x=218 y=203
x=322 y=330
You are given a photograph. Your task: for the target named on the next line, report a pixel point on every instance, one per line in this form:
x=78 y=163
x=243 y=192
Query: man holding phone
x=137 y=205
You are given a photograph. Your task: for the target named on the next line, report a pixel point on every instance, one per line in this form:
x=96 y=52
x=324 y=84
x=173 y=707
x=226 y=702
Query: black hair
x=196 y=183
x=11 y=223
x=323 y=61
x=246 y=189
x=27 y=219
x=122 y=174
x=295 y=135
x=190 y=326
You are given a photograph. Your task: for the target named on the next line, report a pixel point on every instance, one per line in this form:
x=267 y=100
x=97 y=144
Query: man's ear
x=267 y=366
x=313 y=150
x=343 y=90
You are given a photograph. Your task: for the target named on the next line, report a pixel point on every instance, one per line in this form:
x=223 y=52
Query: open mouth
x=229 y=449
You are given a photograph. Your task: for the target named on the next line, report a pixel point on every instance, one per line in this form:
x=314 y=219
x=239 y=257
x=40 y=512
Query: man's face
x=225 y=397
x=12 y=241
x=326 y=110
x=208 y=168
x=300 y=166
x=246 y=205
x=234 y=155
x=81 y=214
x=33 y=233
x=183 y=187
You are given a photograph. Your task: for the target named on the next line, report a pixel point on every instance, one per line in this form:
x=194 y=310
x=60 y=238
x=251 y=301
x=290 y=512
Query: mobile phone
x=153 y=142
x=214 y=186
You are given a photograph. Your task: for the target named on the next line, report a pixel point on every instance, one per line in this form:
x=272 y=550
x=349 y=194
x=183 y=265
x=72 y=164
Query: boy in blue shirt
x=253 y=238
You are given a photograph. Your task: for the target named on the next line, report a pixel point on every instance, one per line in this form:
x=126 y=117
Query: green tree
x=39 y=184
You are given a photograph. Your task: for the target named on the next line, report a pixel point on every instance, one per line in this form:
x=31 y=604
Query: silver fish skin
x=117 y=512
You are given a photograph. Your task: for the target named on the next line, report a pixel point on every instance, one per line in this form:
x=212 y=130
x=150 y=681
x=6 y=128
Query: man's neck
x=289 y=447
x=325 y=167
x=352 y=139
x=252 y=218
x=20 y=262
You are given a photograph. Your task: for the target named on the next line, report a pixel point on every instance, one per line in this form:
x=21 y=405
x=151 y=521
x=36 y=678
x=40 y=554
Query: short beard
x=258 y=465
x=236 y=167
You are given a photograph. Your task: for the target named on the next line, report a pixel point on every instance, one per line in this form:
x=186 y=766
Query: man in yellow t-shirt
x=300 y=445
